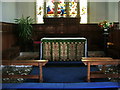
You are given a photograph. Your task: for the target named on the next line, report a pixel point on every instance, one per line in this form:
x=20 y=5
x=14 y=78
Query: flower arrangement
x=105 y=24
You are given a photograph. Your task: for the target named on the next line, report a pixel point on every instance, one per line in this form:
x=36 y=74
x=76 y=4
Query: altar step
x=27 y=56
x=35 y=55
x=96 y=53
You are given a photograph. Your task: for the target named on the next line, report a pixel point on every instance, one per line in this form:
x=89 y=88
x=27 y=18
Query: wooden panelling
x=90 y=31
x=93 y=34
x=64 y=21
x=38 y=31
x=114 y=49
x=0 y=37
x=63 y=28
x=8 y=36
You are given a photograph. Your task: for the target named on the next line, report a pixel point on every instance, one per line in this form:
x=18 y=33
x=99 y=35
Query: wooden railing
x=39 y=63
x=100 y=61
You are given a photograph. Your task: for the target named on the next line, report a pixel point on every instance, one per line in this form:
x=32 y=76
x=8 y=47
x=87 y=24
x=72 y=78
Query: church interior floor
x=33 y=55
x=54 y=72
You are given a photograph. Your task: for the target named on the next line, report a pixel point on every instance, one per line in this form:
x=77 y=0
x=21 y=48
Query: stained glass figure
x=61 y=8
x=73 y=8
x=50 y=8
x=61 y=11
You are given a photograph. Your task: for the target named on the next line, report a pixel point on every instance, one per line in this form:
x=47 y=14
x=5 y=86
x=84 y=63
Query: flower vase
x=106 y=34
x=106 y=31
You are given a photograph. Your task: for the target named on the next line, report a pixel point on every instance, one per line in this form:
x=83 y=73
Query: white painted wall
x=12 y=10
x=8 y=11
x=113 y=11
x=99 y=11
x=25 y=9
x=119 y=13
x=0 y=11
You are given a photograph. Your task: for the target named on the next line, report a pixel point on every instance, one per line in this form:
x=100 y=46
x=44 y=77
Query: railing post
x=88 y=72
x=40 y=73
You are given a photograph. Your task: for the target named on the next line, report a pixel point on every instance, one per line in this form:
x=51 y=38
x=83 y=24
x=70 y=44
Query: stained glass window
x=61 y=8
x=61 y=11
x=73 y=8
x=39 y=11
x=83 y=11
x=50 y=8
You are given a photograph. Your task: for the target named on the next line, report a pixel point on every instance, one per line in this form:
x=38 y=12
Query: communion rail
x=39 y=63
x=100 y=61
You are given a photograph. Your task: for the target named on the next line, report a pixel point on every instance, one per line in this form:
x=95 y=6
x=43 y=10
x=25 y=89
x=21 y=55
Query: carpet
x=64 y=74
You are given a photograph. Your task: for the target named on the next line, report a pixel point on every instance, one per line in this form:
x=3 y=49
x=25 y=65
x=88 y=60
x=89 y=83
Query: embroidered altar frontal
x=63 y=49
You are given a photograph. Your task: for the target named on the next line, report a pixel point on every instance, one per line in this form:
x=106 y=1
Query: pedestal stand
x=105 y=34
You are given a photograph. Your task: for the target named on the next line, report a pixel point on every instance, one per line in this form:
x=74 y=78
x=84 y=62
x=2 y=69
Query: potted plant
x=24 y=31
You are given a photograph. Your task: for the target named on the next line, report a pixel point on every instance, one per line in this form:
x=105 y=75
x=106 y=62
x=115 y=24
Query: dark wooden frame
x=39 y=63
x=99 y=61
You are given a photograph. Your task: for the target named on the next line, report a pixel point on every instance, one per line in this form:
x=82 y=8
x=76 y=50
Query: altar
x=63 y=49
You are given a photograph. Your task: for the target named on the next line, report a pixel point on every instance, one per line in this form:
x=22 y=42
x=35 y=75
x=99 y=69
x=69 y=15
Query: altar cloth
x=63 y=49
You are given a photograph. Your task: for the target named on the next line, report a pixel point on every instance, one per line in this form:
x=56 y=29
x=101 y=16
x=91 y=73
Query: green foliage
x=105 y=24
x=24 y=28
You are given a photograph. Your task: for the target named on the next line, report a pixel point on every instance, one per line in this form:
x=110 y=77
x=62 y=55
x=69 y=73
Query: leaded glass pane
x=39 y=11
x=61 y=8
x=61 y=11
x=50 y=8
x=83 y=11
x=73 y=8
